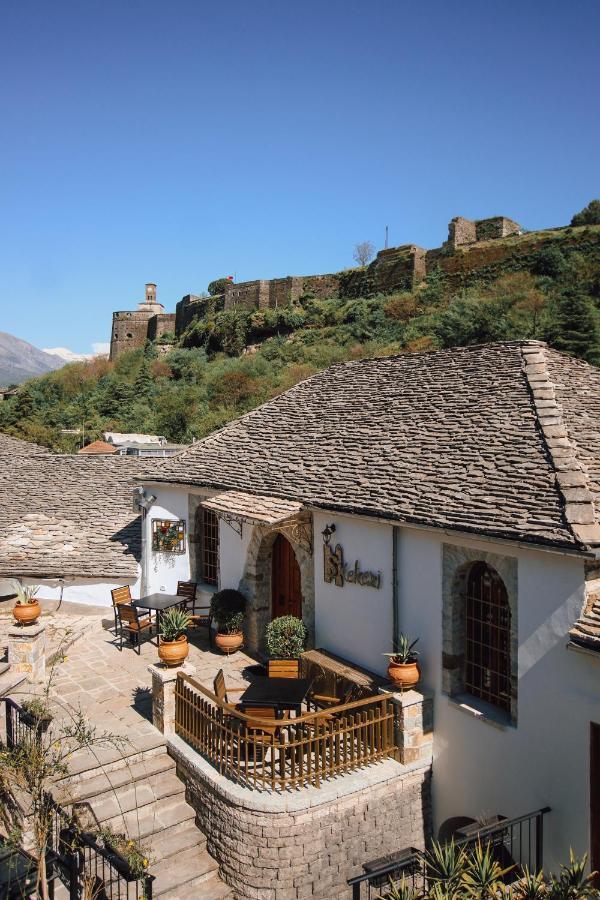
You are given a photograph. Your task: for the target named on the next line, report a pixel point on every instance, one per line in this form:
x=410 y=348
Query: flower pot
x=173 y=653
x=404 y=675
x=229 y=643
x=283 y=668
x=27 y=613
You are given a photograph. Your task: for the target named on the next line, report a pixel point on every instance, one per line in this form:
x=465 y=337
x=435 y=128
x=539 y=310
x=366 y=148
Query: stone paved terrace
x=114 y=687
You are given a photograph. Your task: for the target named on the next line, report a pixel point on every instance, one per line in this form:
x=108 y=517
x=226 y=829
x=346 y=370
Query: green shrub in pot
x=227 y=608
x=286 y=637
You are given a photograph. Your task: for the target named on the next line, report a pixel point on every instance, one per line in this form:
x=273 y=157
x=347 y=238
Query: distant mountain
x=67 y=355
x=20 y=360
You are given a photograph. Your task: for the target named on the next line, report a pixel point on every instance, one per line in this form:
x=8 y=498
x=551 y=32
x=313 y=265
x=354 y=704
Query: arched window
x=487 y=634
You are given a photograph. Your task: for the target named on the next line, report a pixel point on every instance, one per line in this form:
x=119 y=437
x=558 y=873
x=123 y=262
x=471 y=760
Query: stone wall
x=310 y=842
x=129 y=331
x=163 y=323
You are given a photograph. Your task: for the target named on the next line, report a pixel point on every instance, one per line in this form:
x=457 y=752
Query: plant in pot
x=286 y=640
x=173 y=647
x=403 y=670
x=227 y=608
x=27 y=608
x=134 y=856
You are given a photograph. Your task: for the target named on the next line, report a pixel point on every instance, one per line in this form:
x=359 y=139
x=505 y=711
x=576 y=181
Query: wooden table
x=158 y=603
x=277 y=693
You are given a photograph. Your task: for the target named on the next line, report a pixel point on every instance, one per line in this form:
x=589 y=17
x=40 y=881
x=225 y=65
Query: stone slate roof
x=500 y=440
x=68 y=516
x=253 y=508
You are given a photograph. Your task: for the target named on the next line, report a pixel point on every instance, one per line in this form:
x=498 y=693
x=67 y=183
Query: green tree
x=589 y=215
x=574 y=327
x=218 y=286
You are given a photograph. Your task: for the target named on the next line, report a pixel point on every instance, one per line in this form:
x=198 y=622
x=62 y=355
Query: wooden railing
x=277 y=754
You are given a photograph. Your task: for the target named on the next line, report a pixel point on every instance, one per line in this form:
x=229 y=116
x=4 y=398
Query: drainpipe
x=144 y=579
x=395 y=587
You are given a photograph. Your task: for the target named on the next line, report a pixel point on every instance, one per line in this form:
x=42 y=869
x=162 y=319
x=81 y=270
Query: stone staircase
x=138 y=792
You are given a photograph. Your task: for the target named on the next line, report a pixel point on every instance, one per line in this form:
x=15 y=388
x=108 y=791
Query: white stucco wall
x=90 y=592
x=164 y=570
x=233 y=550
x=480 y=768
x=355 y=621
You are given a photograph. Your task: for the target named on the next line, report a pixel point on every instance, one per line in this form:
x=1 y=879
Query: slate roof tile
x=479 y=439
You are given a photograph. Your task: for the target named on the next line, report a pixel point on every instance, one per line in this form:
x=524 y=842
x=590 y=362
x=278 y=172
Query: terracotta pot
x=229 y=643
x=173 y=653
x=404 y=675
x=27 y=613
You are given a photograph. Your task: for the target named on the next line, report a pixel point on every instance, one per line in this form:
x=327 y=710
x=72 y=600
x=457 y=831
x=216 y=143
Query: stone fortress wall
x=482 y=248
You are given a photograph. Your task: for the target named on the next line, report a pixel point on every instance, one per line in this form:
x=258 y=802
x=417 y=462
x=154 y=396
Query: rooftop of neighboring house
x=117 y=438
x=499 y=439
x=98 y=447
x=68 y=516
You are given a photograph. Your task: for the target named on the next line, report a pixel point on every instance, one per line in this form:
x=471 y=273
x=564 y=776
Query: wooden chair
x=221 y=692
x=259 y=731
x=200 y=616
x=131 y=622
x=321 y=702
x=120 y=595
x=187 y=589
x=283 y=668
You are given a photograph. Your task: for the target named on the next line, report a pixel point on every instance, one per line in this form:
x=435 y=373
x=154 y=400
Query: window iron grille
x=487 y=647
x=210 y=546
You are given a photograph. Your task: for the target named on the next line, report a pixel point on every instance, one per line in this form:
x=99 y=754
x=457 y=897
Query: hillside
x=20 y=360
x=227 y=362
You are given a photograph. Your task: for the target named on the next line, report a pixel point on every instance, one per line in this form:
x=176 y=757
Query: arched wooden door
x=286 y=592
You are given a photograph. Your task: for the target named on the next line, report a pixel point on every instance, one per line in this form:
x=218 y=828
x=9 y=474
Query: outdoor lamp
x=327 y=532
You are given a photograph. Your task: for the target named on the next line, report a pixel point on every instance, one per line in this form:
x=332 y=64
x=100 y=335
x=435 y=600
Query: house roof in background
x=68 y=515
x=99 y=447
x=500 y=439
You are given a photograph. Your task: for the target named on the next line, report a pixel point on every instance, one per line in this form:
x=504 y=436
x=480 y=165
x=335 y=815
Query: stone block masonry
x=306 y=843
x=27 y=650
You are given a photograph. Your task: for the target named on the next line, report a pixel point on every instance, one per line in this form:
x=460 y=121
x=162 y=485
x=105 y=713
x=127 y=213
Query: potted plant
x=227 y=609
x=403 y=670
x=173 y=647
x=132 y=858
x=286 y=640
x=27 y=608
x=36 y=714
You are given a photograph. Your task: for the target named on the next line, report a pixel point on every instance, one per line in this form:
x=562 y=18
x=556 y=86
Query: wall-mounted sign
x=337 y=571
x=168 y=535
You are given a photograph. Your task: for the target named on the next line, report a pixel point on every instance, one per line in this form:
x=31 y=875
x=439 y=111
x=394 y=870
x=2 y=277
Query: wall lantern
x=327 y=532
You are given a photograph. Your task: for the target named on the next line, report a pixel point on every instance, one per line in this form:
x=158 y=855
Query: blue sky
x=178 y=142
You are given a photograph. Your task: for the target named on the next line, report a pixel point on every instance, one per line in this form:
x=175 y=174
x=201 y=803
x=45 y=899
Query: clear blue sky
x=180 y=141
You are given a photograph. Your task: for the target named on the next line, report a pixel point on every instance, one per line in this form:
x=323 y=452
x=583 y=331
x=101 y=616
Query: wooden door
x=595 y=798
x=286 y=593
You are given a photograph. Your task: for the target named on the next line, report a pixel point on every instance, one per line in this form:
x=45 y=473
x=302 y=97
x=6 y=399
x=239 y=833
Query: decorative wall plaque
x=337 y=571
x=168 y=535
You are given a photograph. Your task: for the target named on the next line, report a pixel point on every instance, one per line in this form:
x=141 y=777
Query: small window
x=209 y=524
x=487 y=637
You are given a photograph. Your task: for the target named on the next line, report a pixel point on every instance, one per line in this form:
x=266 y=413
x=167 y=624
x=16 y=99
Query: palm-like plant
x=399 y=890
x=445 y=865
x=531 y=886
x=573 y=883
x=174 y=623
x=483 y=876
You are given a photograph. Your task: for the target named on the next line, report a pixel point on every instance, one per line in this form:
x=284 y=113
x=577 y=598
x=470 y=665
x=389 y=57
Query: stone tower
x=130 y=328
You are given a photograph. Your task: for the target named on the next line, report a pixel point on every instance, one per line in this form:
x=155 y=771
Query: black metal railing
x=74 y=857
x=517 y=842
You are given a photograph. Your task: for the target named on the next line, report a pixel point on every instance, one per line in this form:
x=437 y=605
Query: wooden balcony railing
x=277 y=754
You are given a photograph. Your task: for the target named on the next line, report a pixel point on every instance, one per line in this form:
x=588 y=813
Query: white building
x=458 y=492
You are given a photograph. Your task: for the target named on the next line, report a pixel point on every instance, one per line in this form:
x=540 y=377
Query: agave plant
x=405 y=650
x=483 y=876
x=531 y=886
x=399 y=890
x=25 y=593
x=573 y=883
x=174 y=623
x=445 y=865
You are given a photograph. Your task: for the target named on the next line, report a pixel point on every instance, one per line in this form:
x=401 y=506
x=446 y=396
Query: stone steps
x=141 y=795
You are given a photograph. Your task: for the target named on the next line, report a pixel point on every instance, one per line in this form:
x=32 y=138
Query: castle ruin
x=470 y=247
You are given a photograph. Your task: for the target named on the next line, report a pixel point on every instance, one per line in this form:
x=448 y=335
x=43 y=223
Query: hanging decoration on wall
x=168 y=535
x=336 y=571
